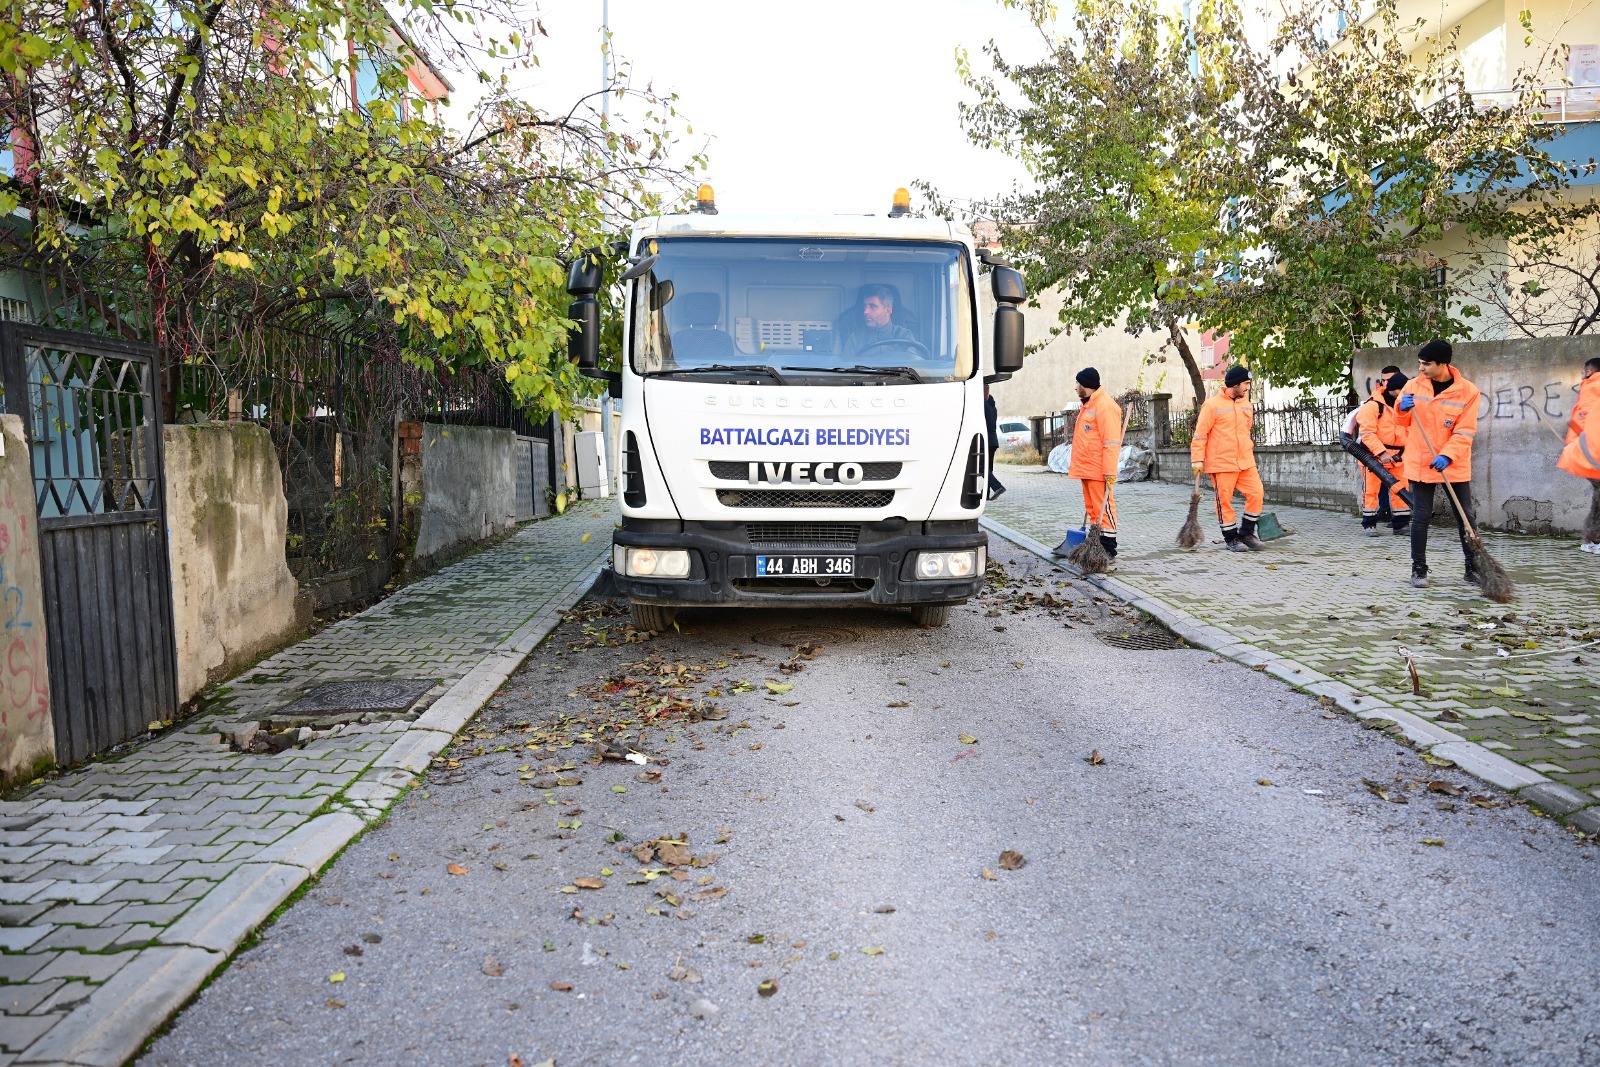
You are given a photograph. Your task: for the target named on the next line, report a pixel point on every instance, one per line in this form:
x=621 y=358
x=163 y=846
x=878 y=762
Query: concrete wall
x=1125 y=361
x=467 y=489
x=1313 y=476
x=27 y=734
x=1529 y=387
x=233 y=597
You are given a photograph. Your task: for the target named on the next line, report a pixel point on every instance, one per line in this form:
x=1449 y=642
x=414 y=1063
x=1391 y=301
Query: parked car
x=1014 y=433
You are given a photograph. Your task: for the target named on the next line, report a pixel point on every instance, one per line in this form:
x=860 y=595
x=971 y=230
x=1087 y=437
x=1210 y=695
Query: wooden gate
x=92 y=412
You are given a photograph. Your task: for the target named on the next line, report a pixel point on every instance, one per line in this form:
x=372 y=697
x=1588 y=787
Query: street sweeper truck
x=802 y=408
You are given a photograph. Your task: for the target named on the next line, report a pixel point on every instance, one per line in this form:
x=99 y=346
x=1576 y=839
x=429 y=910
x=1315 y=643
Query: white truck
x=803 y=409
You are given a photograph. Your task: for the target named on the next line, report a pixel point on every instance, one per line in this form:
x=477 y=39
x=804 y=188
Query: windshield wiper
x=721 y=368
x=910 y=373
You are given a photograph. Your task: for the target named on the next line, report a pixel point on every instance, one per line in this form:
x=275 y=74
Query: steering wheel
x=903 y=342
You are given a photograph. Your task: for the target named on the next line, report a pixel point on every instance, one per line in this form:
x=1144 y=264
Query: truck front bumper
x=722 y=565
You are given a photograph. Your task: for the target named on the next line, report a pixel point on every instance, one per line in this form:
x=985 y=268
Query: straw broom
x=1189 y=537
x=1492 y=577
x=1091 y=556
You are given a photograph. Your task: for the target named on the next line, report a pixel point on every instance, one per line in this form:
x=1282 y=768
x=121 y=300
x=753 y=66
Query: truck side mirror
x=583 y=340
x=585 y=274
x=1006 y=282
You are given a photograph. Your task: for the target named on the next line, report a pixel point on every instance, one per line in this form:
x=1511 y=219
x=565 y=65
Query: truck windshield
x=822 y=311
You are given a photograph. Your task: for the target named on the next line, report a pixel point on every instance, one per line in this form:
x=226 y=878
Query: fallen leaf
x=899 y=703
x=493 y=967
x=872 y=950
x=864 y=806
x=1381 y=793
x=1094 y=759
x=619 y=789
x=585 y=538
x=680 y=973
x=561 y=987
x=456 y=868
x=779 y=687
x=767 y=988
x=1437 y=842
x=1437 y=761
x=1011 y=860
x=332 y=1003
x=372 y=939
x=1263 y=781
x=336 y=977
x=1449 y=789
x=589 y=883
x=990 y=876
x=673 y=854
x=967 y=739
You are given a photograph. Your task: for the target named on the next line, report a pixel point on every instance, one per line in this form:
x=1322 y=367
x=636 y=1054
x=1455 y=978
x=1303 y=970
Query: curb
x=110 y=1030
x=1562 y=802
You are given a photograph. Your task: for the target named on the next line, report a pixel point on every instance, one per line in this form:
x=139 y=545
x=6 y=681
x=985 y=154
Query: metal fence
x=1300 y=424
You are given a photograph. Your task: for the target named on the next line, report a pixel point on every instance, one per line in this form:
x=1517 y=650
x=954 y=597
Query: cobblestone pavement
x=1522 y=679
x=125 y=883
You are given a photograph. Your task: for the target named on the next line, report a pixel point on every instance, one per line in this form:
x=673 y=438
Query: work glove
x=1408 y=402
x=1111 y=479
x=1440 y=462
x=1198 y=467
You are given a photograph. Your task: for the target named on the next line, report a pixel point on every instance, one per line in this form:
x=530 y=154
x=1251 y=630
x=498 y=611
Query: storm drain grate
x=1142 y=640
x=395 y=695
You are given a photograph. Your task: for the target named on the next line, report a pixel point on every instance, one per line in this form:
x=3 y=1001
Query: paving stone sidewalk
x=1521 y=680
x=124 y=884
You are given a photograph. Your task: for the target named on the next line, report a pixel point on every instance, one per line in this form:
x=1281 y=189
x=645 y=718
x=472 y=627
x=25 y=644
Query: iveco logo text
x=808 y=403
x=805 y=473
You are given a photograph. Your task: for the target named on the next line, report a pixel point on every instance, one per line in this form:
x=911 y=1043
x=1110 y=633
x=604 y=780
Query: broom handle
x=1105 y=506
x=1455 y=500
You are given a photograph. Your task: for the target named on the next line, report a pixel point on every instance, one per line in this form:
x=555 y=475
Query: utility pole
x=608 y=436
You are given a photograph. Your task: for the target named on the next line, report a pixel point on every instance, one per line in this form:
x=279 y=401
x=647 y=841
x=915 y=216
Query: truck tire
x=647 y=616
x=930 y=616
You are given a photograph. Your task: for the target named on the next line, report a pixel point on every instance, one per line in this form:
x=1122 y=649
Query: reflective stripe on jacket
x=1096 y=438
x=1222 y=435
x=1582 y=454
x=1588 y=403
x=1449 y=420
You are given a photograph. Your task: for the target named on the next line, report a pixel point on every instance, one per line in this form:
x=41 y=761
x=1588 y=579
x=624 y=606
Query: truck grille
x=731 y=471
x=809 y=534
x=805 y=498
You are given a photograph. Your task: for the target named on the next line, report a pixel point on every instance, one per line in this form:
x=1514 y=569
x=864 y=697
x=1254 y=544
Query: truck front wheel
x=647 y=616
x=930 y=616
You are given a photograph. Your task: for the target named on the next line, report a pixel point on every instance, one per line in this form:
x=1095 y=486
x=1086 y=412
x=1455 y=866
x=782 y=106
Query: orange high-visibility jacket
x=1096 y=439
x=1222 y=435
x=1450 y=420
x=1582 y=454
x=1375 y=425
x=1588 y=404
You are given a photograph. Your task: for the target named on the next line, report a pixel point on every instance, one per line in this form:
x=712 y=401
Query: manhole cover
x=1142 y=640
x=800 y=635
x=396 y=695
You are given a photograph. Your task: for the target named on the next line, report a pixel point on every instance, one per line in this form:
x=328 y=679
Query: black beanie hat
x=1234 y=376
x=1396 y=382
x=1089 y=378
x=1437 y=351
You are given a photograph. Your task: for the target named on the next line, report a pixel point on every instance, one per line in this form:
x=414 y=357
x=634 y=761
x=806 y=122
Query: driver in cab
x=876 y=327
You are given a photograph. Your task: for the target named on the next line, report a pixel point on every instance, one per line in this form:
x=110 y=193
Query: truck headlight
x=651 y=562
x=963 y=563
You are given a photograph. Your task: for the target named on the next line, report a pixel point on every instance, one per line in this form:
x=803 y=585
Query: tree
x=1133 y=128
x=237 y=158
x=1374 y=153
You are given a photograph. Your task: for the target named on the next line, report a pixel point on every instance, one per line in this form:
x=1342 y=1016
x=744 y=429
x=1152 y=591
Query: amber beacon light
x=705 y=201
x=902 y=203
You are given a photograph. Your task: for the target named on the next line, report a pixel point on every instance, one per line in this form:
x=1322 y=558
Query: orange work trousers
x=1248 y=482
x=1374 y=494
x=1094 y=498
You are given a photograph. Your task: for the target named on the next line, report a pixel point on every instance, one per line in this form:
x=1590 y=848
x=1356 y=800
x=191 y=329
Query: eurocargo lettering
x=802 y=416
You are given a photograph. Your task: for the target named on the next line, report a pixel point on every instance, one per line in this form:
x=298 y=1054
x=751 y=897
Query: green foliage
x=224 y=166
x=1287 y=194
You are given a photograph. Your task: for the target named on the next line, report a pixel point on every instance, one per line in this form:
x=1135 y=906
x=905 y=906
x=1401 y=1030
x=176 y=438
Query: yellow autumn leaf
x=585 y=538
x=967 y=739
x=338 y=977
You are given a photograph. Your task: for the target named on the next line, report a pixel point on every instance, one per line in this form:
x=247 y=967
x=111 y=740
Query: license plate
x=805 y=566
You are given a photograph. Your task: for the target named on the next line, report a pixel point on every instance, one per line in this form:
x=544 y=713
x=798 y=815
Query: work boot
x=1233 y=543
x=1472 y=577
x=1247 y=534
x=1109 y=544
x=1419 y=577
x=1402 y=529
x=1372 y=531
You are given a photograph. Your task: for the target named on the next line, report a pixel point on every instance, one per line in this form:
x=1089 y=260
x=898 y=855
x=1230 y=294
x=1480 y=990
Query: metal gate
x=92 y=413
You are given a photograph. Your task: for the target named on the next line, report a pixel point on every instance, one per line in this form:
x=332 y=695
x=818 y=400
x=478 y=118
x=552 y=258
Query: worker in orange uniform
x=1222 y=448
x=1439 y=408
x=1097 y=453
x=1581 y=456
x=1376 y=429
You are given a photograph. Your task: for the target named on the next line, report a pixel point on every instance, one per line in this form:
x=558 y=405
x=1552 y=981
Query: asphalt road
x=1223 y=888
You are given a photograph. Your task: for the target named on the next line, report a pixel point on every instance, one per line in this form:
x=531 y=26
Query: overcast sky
x=821 y=105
